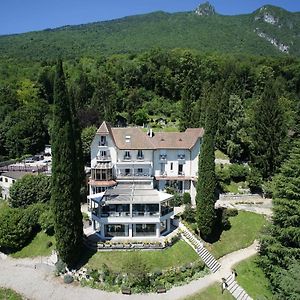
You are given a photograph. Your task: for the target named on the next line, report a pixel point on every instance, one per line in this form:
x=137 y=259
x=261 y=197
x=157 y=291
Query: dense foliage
x=226 y=34
x=280 y=248
x=206 y=183
x=66 y=175
x=30 y=189
x=18 y=225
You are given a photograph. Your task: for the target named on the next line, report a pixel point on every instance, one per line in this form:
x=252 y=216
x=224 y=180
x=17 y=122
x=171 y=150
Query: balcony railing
x=181 y=156
x=140 y=157
x=103 y=157
x=167 y=210
x=102 y=143
x=145 y=214
x=114 y=214
x=127 y=157
x=181 y=173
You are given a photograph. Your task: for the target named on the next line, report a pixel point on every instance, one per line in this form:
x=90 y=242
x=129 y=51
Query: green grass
x=245 y=228
x=252 y=279
x=179 y=254
x=37 y=247
x=163 y=129
x=8 y=294
x=213 y=292
x=220 y=155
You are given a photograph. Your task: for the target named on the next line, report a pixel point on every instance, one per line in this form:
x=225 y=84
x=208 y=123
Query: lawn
x=213 y=292
x=178 y=255
x=220 y=155
x=37 y=247
x=252 y=279
x=245 y=228
x=8 y=294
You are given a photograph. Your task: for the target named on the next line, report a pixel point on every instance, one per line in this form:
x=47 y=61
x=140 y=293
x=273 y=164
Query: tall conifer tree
x=269 y=131
x=65 y=187
x=280 y=247
x=206 y=185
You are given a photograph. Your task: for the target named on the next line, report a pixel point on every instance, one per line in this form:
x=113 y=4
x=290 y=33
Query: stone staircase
x=207 y=258
x=236 y=291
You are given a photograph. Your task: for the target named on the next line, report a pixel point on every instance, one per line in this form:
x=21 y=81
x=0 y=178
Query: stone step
x=237 y=292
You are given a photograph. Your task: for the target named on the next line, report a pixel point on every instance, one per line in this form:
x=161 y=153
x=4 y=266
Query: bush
x=238 y=172
x=232 y=212
x=186 y=198
x=18 y=226
x=223 y=174
x=254 y=179
x=30 y=189
x=189 y=214
x=60 y=267
x=68 y=279
x=46 y=222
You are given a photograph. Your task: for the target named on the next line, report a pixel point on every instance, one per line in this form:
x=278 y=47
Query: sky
x=17 y=16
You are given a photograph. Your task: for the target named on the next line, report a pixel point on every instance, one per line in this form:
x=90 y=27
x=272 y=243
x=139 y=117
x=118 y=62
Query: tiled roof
x=177 y=140
x=16 y=174
x=131 y=138
x=134 y=138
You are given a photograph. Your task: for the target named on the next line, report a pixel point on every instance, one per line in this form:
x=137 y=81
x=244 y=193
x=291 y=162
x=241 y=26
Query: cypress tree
x=268 y=132
x=65 y=194
x=280 y=246
x=206 y=184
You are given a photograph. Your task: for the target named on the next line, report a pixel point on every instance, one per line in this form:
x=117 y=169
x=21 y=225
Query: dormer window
x=127 y=155
x=102 y=140
x=140 y=154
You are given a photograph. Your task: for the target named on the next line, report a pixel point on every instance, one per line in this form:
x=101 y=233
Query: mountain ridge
x=269 y=30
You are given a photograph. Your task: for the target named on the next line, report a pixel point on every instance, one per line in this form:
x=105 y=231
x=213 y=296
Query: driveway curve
x=36 y=281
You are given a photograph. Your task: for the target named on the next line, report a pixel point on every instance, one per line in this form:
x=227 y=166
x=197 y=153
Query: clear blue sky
x=27 y=15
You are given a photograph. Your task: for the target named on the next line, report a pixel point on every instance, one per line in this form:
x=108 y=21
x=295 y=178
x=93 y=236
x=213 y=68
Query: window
x=1 y=179
x=6 y=180
x=171 y=166
x=140 y=170
x=180 y=169
x=102 y=141
x=140 y=154
x=127 y=155
x=13 y=181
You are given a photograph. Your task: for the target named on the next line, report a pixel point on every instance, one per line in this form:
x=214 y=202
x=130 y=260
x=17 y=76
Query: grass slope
x=252 y=279
x=225 y=34
x=8 y=294
x=245 y=228
x=179 y=254
x=37 y=247
x=211 y=293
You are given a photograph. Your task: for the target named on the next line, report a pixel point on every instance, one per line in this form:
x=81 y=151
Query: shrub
x=223 y=174
x=17 y=226
x=46 y=222
x=68 y=279
x=186 y=198
x=30 y=189
x=189 y=214
x=60 y=267
x=238 y=172
x=232 y=212
x=254 y=179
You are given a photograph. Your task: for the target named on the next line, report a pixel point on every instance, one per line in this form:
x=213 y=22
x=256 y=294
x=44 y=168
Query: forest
x=257 y=104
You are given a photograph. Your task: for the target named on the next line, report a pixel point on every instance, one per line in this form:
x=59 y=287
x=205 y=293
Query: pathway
x=37 y=282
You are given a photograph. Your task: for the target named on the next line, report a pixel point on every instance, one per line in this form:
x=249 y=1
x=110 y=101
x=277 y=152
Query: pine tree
x=268 y=132
x=280 y=247
x=206 y=184
x=65 y=187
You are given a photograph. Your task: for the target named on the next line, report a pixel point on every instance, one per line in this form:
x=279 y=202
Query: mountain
x=269 y=30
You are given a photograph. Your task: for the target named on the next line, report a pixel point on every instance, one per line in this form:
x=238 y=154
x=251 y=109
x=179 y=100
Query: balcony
x=103 y=144
x=140 y=157
x=103 y=158
x=180 y=173
x=181 y=156
x=166 y=210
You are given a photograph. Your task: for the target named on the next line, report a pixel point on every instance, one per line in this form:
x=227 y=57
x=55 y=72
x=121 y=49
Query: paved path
x=37 y=282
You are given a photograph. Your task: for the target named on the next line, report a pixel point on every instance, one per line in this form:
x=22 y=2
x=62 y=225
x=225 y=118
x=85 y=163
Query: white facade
x=126 y=155
x=5 y=183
